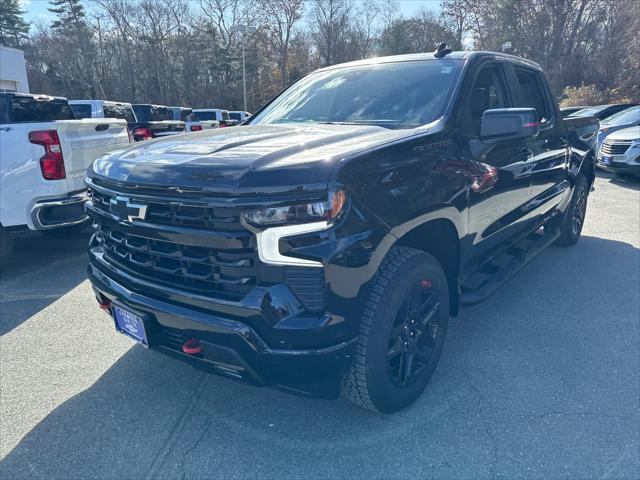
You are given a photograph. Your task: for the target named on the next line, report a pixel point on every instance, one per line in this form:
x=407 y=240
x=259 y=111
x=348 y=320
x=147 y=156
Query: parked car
x=566 y=111
x=191 y=125
x=603 y=111
x=222 y=116
x=620 y=152
x=621 y=120
x=44 y=154
x=154 y=121
x=102 y=109
x=325 y=245
x=239 y=116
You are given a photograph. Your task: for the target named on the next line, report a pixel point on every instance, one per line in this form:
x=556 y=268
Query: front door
x=499 y=191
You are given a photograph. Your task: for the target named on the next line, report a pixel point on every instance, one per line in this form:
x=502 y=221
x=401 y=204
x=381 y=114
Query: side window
x=531 y=94
x=488 y=92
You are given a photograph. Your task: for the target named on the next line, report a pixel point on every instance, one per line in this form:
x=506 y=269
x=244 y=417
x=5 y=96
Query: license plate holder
x=130 y=324
x=606 y=160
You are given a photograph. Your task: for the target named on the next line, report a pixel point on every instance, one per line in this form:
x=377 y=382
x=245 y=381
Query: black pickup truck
x=324 y=246
x=153 y=121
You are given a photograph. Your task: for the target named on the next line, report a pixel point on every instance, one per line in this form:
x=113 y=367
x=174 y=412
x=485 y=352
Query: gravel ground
x=540 y=381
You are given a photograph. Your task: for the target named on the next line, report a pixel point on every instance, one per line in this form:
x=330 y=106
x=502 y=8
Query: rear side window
x=123 y=112
x=531 y=94
x=28 y=109
x=236 y=116
x=81 y=110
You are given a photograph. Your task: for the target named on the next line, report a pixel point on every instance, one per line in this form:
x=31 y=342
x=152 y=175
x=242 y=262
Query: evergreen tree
x=13 y=27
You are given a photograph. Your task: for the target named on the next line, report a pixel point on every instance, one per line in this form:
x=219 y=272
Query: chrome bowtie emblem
x=125 y=210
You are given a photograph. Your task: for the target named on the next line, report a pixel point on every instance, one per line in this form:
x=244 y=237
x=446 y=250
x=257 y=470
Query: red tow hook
x=192 y=346
x=106 y=306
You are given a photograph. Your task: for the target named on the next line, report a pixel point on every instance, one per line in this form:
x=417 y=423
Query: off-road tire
x=368 y=382
x=569 y=234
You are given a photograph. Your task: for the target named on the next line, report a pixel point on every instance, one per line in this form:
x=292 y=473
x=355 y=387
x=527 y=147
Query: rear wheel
x=572 y=220
x=401 y=333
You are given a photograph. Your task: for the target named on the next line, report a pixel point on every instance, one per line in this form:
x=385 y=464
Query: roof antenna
x=442 y=50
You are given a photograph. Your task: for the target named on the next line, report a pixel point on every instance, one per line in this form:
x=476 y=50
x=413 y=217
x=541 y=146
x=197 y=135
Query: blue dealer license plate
x=130 y=324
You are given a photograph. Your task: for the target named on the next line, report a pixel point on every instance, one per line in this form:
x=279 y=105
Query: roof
x=31 y=95
x=412 y=57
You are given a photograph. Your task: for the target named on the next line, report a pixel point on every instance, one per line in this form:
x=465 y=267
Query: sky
x=37 y=9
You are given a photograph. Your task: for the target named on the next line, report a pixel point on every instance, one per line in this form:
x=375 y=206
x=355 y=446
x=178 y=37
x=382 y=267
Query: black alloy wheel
x=413 y=336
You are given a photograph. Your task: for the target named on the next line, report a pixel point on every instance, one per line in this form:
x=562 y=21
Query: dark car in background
x=153 y=121
x=603 y=111
x=566 y=111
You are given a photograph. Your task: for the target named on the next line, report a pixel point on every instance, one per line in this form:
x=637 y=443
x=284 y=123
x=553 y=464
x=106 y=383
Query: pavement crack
x=187 y=452
x=158 y=461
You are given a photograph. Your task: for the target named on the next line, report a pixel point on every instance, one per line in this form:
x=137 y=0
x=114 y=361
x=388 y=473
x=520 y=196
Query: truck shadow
x=41 y=269
x=149 y=416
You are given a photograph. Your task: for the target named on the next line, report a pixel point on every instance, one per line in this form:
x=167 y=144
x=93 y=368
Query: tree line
x=186 y=52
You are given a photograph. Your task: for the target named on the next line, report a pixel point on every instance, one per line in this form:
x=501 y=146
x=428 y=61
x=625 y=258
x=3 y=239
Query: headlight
x=636 y=145
x=327 y=210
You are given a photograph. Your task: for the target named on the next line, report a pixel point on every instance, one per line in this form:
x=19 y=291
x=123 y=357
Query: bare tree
x=278 y=19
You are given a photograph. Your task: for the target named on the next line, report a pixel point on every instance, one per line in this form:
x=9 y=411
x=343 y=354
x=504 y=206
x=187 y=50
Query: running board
x=482 y=284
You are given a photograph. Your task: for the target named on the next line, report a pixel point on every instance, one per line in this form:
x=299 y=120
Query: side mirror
x=509 y=124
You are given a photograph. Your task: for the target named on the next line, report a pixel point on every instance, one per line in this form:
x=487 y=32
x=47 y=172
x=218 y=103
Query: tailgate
x=166 y=127
x=83 y=141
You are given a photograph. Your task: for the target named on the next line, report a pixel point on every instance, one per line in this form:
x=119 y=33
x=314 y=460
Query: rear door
x=549 y=151
x=82 y=141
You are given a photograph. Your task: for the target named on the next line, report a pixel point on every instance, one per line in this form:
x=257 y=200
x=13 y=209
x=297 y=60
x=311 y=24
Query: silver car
x=620 y=152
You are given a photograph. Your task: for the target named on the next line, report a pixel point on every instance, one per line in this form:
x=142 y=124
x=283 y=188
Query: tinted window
x=531 y=94
x=160 y=113
x=123 y=112
x=143 y=112
x=81 y=110
x=199 y=116
x=591 y=112
x=235 y=116
x=184 y=115
x=393 y=95
x=225 y=115
x=630 y=115
x=28 y=109
x=488 y=92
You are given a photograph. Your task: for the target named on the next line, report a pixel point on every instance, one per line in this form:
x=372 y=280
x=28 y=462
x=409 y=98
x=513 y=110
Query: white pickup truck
x=191 y=124
x=44 y=153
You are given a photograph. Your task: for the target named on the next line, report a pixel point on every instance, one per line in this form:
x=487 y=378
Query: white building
x=13 y=71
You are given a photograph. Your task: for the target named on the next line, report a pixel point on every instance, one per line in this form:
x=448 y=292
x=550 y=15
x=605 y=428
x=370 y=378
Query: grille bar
x=615 y=148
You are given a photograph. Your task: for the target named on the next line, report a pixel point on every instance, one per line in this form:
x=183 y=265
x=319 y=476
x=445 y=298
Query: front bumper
x=60 y=212
x=232 y=347
x=628 y=163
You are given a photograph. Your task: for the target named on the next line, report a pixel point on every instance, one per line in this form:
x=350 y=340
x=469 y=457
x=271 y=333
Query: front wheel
x=402 y=332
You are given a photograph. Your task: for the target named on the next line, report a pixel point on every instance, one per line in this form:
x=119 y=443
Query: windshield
x=392 y=95
x=630 y=115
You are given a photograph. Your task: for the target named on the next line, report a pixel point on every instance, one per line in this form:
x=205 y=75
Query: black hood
x=251 y=159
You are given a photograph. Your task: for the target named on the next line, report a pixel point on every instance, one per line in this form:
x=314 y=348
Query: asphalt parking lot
x=540 y=381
